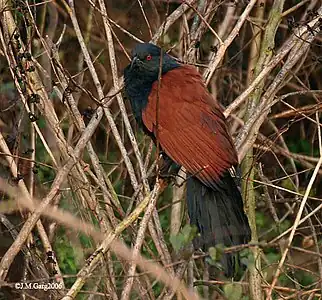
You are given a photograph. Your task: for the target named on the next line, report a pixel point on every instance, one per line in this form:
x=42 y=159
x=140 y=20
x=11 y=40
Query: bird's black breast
x=137 y=90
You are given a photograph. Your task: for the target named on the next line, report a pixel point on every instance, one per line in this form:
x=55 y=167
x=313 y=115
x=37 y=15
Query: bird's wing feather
x=191 y=126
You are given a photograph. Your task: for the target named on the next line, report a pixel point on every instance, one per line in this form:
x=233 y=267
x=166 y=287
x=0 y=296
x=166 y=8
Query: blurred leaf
x=189 y=232
x=286 y=224
x=287 y=184
x=273 y=257
x=184 y=237
x=177 y=241
x=233 y=291
x=66 y=256
x=85 y=240
x=311 y=194
x=304 y=278
x=41 y=122
x=247 y=257
x=213 y=253
x=302 y=146
x=284 y=280
x=261 y=220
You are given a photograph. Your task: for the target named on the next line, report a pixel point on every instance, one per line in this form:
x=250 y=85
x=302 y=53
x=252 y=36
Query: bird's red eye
x=149 y=57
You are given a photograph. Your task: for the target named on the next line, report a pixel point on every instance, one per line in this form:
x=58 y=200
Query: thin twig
x=218 y=56
x=296 y=223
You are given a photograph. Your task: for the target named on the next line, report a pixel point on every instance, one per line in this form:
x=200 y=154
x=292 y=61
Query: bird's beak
x=134 y=61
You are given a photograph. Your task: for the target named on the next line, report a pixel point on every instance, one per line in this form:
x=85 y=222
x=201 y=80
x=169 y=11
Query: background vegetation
x=76 y=206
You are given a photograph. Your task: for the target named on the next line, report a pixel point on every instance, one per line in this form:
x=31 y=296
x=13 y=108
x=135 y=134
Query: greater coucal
x=191 y=130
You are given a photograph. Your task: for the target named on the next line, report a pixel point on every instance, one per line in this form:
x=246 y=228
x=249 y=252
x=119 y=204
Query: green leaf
x=287 y=184
x=284 y=225
x=213 y=253
x=184 y=237
x=189 y=232
x=233 y=291
x=186 y=230
x=247 y=257
x=273 y=257
x=177 y=241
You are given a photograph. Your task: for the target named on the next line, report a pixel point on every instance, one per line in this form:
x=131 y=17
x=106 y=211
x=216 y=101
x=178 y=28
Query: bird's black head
x=146 y=61
x=143 y=70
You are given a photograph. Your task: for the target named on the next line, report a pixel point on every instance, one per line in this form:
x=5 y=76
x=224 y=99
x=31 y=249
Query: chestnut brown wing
x=191 y=126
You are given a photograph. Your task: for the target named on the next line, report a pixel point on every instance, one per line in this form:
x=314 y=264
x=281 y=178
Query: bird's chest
x=138 y=95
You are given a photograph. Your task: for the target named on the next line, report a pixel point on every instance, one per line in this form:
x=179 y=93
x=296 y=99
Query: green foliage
x=247 y=257
x=286 y=224
x=261 y=220
x=66 y=257
x=85 y=240
x=287 y=184
x=233 y=291
x=302 y=146
x=7 y=88
x=184 y=237
x=273 y=257
x=305 y=279
x=215 y=254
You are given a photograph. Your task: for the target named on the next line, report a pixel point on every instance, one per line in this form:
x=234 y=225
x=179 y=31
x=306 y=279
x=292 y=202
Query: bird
x=174 y=107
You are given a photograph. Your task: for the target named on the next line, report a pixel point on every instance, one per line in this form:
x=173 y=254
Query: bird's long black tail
x=219 y=215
